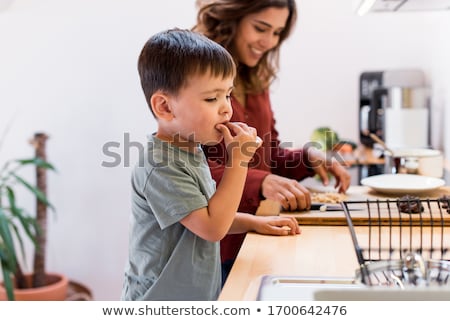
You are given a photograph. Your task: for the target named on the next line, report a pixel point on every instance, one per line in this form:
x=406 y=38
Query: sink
x=274 y=287
x=285 y=288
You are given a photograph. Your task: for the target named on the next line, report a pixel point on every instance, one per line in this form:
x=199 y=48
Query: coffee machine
x=394 y=105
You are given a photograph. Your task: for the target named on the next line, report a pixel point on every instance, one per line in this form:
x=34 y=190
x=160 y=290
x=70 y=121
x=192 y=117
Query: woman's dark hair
x=218 y=20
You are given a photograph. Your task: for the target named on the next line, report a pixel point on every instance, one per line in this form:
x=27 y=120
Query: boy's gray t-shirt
x=166 y=260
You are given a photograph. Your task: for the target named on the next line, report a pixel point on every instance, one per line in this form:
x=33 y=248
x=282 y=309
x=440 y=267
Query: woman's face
x=257 y=33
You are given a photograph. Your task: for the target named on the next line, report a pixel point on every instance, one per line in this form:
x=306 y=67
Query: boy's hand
x=242 y=146
x=276 y=225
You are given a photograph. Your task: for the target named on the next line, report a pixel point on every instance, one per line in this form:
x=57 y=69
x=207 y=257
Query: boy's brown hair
x=170 y=57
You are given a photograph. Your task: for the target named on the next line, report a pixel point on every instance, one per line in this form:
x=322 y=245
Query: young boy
x=178 y=214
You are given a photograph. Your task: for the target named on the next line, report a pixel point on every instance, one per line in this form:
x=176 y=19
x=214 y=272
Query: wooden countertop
x=317 y=251
x=324 y=250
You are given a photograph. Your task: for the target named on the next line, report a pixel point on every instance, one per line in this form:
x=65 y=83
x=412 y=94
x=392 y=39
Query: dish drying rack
x=398 y=247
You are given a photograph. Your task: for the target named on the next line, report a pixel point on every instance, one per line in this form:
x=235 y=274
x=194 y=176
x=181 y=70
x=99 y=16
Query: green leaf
x=3 y=256
x=36 y=191
x=39 y=162
x=7 y=281
x=3 y=253
x=28 y=223
x=5 y=234
x=12 y=201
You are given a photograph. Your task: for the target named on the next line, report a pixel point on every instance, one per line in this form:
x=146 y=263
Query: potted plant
x=17 y=226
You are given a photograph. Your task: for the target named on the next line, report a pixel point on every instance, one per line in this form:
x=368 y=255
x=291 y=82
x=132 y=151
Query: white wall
x=332 y=46
x=68 y=67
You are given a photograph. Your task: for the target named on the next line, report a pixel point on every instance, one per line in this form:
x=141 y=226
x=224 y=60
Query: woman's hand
x=288 y=192
x=292 y=195
x=322 y=166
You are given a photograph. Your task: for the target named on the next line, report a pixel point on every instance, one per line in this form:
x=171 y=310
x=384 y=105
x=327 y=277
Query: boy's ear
x=160 y=106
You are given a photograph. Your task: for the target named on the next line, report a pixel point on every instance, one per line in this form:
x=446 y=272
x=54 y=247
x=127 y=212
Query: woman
x=253 y=31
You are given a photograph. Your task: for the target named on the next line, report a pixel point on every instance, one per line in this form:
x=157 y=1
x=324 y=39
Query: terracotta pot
x=55 y=290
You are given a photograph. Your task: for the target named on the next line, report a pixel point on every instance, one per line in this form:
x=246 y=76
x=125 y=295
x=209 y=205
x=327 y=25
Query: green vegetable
x=325 y=138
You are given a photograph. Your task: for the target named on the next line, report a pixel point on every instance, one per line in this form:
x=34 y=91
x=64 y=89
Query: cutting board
x=374 y=214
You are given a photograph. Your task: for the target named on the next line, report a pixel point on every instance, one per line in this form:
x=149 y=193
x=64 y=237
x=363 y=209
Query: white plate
x=402 y=183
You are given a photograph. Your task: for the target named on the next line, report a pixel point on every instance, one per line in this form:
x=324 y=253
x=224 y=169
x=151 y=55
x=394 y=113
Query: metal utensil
x=381 y=142
x=330 y=207
x=325 y=207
